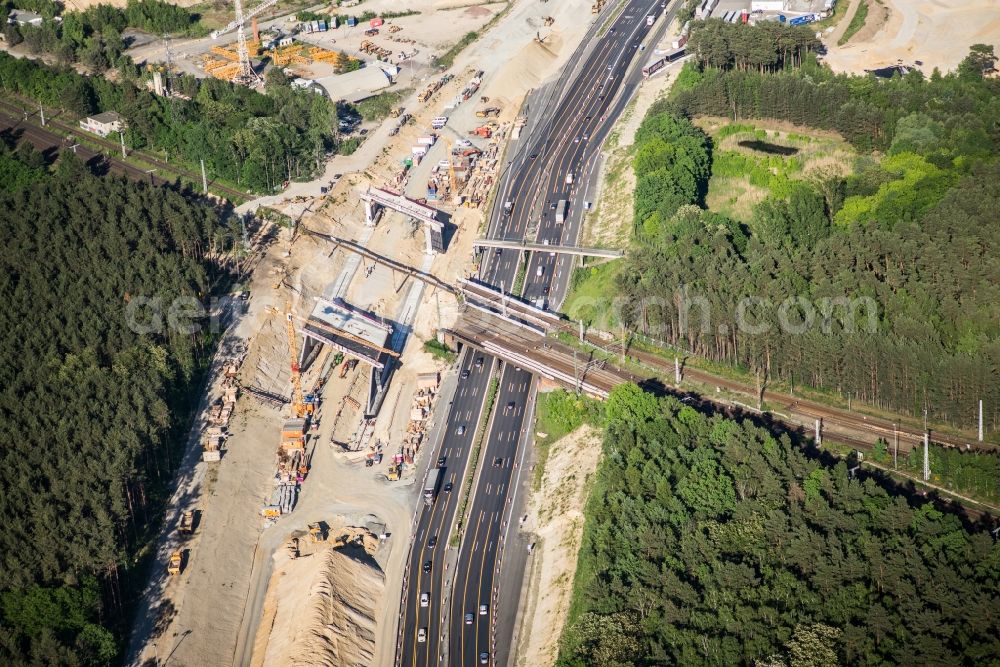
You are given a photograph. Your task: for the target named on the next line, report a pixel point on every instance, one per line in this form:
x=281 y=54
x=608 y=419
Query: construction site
x=324 y=399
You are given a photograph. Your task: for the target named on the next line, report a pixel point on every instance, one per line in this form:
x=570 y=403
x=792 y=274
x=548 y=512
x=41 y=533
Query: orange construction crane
x=300 y=408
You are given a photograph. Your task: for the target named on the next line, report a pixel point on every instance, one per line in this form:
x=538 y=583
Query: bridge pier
x=377 y=199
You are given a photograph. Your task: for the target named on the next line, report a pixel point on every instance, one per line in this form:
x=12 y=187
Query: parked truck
x=431 y=485
x=187 y=522
x=174 y=566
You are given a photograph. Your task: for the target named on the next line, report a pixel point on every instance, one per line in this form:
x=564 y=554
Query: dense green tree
x=880 y=286
x=92 y=408
x=257 y=141
x=712 y=541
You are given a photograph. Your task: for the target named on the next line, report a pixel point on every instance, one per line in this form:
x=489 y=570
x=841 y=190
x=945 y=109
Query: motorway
x=435 y=520
x=594 y=89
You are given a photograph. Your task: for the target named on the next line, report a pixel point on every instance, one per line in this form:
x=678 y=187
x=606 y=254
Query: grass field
x=743 y=177
x=590 y=296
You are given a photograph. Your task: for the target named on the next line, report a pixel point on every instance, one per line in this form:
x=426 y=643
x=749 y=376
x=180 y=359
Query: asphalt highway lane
x=474 y=586
x=567 y=142
x=435 y=519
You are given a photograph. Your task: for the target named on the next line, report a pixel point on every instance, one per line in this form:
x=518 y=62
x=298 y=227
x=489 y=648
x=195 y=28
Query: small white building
x=103 y=124
x=23 y=17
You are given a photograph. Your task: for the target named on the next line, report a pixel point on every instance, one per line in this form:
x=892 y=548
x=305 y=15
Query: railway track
x=55 y=140
x=788 y=404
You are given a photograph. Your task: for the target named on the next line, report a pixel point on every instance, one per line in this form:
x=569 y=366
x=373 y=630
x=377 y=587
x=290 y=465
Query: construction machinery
x=300 y=406
x=397 y=112
x=316 y=532
x=187 y=522
x=488 y=112
x=174 y=565
x=549 y=21
x=245 y=73
x=394 y=471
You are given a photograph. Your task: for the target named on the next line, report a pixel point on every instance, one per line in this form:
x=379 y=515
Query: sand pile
x=321 y=607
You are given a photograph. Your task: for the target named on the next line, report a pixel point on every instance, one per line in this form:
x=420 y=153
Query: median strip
x=484 y=421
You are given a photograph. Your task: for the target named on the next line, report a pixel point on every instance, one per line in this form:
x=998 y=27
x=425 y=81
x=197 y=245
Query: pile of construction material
x=435 y=86
x=373 y=49
x=282 y=501
x=480 y=173
x=212 y=439
x=292 y=466
x=420 y=412
x=220 y=412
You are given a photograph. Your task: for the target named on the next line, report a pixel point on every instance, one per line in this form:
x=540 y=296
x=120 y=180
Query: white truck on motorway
x=430 y=486
x=561 y=212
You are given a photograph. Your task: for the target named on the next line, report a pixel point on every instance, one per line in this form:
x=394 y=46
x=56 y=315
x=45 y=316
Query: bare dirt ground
x=555 y=516
x=936 y=32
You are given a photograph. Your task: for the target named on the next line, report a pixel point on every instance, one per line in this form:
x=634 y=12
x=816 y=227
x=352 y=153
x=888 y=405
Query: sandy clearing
x=555 y=517
x=936 y=32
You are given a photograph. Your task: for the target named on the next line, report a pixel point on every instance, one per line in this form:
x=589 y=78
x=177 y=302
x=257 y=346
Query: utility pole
x=980 y=420
x=677 y=370
x=41 y=113
x=121 y=136
x=927 y=461
x=204 y=179
x=581 y=331
x=576 y=373
x=819 y=433
x=503 y=298
x=623 y=345
x=895 y=450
